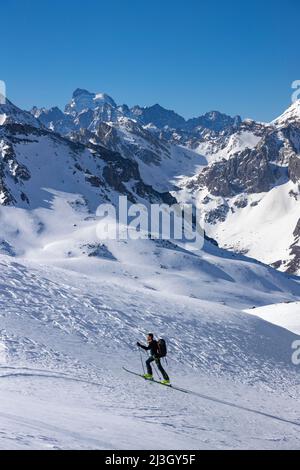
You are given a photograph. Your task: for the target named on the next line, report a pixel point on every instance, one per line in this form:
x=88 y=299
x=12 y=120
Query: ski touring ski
x=156 y=381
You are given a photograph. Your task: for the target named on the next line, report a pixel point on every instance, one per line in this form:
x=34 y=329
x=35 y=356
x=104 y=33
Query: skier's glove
x=138 y=344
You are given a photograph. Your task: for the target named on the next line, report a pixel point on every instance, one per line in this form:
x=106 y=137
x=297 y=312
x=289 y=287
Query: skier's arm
x=142 y=346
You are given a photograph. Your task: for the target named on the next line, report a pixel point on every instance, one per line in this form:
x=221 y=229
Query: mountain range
x=242 y=174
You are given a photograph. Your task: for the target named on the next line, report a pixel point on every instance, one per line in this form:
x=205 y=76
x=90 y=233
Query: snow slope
x=291 y=115
x=9 y=113
x=286 y=315
x=264 y=228
x=66 y=336
x=69 y=321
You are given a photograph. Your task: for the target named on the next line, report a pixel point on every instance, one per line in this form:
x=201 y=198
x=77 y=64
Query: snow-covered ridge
x=291 y=115
x=9 y=113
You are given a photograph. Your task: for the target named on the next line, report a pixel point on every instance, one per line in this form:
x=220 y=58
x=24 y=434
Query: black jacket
x=153 y=347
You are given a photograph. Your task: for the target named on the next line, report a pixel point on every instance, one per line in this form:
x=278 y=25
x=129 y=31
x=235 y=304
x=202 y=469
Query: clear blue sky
x=191 y=56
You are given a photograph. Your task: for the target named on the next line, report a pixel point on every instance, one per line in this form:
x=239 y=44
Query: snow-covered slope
x=34 y=160
x=261 y=225
x=67 y=328
x=286 y=315
x=9 y=113
x=290 y=116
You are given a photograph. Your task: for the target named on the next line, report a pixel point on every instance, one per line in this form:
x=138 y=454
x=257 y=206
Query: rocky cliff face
x=248 y=172
x=251 y=170
x=294 y=168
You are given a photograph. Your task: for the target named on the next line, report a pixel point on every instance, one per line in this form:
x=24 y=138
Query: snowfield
x=286 y=315
x=263 y=229
x=70 y=321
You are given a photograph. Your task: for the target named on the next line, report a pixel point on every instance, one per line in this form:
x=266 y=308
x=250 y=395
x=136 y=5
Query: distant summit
x=83 y=100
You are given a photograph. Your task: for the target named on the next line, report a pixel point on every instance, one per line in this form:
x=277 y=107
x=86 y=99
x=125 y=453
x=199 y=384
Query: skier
x=154 y=356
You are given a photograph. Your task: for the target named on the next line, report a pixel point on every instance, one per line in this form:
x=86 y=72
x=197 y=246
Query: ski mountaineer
x=154 y=356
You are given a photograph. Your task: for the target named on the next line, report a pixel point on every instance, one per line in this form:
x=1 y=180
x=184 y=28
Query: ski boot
x=148 y=376
x=165 y=382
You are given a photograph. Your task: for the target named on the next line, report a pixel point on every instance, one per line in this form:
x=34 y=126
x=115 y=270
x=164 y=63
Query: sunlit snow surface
x=70 y=321
x=286 y=315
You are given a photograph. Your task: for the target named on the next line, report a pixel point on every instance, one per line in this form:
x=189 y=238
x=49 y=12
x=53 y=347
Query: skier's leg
x=161 y=369
x=149 y=368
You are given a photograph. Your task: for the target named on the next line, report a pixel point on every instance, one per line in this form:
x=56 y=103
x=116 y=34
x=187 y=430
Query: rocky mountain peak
x=80 y=92
x=84 y=100
x=214 y=120
x=158 y=116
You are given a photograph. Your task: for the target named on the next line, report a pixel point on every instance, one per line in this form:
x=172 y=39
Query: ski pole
x=156 y=370
x=142 y=360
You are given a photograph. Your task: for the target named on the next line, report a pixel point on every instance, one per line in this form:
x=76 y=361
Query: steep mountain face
x=127 y=137
x=158 y=116
x=160 y=161
x=54 y=119
x=251 y=170
x=83 y=99
x=214 y=121
x=85 y=110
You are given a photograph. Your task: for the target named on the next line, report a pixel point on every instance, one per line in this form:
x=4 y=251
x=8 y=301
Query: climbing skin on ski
x=166 y=383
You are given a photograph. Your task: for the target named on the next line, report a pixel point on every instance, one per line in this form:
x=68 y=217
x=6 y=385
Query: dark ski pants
x=159 y=366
